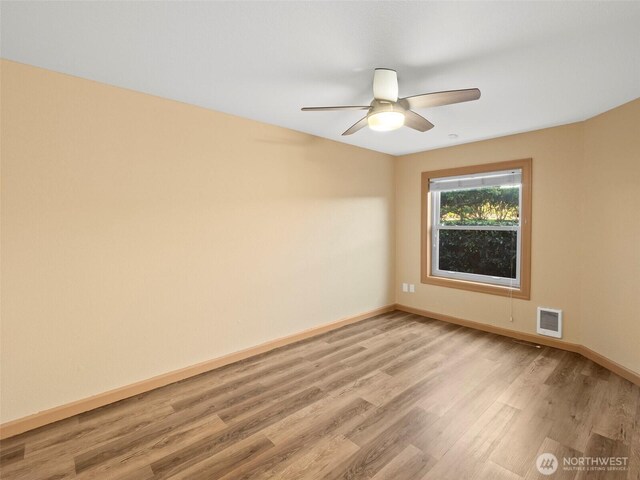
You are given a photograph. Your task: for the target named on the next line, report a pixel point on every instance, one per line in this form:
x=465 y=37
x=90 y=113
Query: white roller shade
x=478 y=180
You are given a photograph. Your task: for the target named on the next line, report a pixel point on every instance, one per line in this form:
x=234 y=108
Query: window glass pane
x=483 y=252
x=480 y=206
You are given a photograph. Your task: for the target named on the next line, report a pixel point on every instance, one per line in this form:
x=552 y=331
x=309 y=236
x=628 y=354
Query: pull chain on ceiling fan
x=388 y=112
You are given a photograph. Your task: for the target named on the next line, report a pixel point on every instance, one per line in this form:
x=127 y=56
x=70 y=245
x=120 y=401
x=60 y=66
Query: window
x=476 y=228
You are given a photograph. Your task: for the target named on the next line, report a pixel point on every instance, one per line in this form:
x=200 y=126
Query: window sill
x=520 y=293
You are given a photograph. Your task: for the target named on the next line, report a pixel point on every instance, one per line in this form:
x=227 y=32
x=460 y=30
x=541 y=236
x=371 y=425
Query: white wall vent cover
x=550 y=322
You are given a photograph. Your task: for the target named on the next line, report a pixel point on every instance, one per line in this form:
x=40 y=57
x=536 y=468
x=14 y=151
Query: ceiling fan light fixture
x=385 y=121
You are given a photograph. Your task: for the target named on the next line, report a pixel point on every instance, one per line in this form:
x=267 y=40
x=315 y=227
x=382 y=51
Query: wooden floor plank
x=12 y=454
x=320 y=459
x=603 y=447
x=382 y=448
x=127 y=443
x=136 y=456
x=273 y=462
x=575 y=418
x=410 y=464
x=89 y=435
x=468 y=455
x=517 y=450
x=442 y=434
x=634 y=448
x=531 y=383
x=195 y=452
x=216 y=466
x=492 y=471
x=561 y=452
x=616 y=417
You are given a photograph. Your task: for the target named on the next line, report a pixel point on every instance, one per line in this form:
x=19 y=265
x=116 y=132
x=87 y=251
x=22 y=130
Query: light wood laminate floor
x=396 y=397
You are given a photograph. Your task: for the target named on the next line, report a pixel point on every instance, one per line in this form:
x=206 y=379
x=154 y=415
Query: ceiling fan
x=388 y=112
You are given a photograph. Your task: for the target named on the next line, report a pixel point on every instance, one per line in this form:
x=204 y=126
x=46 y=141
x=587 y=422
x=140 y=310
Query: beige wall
x=585 y=241
x=142 y=235
x=611 y=235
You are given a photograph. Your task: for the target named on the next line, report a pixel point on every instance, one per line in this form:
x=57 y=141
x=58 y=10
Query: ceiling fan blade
x=417 y=122
x=437 y=99
x=385 y=84
x=326 y=109
x=356 y=126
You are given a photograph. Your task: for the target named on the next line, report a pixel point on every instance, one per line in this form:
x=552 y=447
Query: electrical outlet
x=412 y=288
x=405 y=287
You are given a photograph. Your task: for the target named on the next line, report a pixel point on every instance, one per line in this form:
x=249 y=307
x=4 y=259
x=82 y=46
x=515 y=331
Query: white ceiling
x=538 y=64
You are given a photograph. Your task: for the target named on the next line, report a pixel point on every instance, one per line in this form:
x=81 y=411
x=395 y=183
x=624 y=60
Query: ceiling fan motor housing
x=378 y=106
x=385 y=84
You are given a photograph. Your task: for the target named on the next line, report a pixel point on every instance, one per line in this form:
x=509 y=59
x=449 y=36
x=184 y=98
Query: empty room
x=378 y=240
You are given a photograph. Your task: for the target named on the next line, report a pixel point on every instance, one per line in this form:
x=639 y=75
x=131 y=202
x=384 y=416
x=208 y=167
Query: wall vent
x=550 y=322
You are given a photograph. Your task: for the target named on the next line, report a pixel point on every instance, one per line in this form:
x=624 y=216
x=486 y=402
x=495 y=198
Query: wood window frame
x=524 y=290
